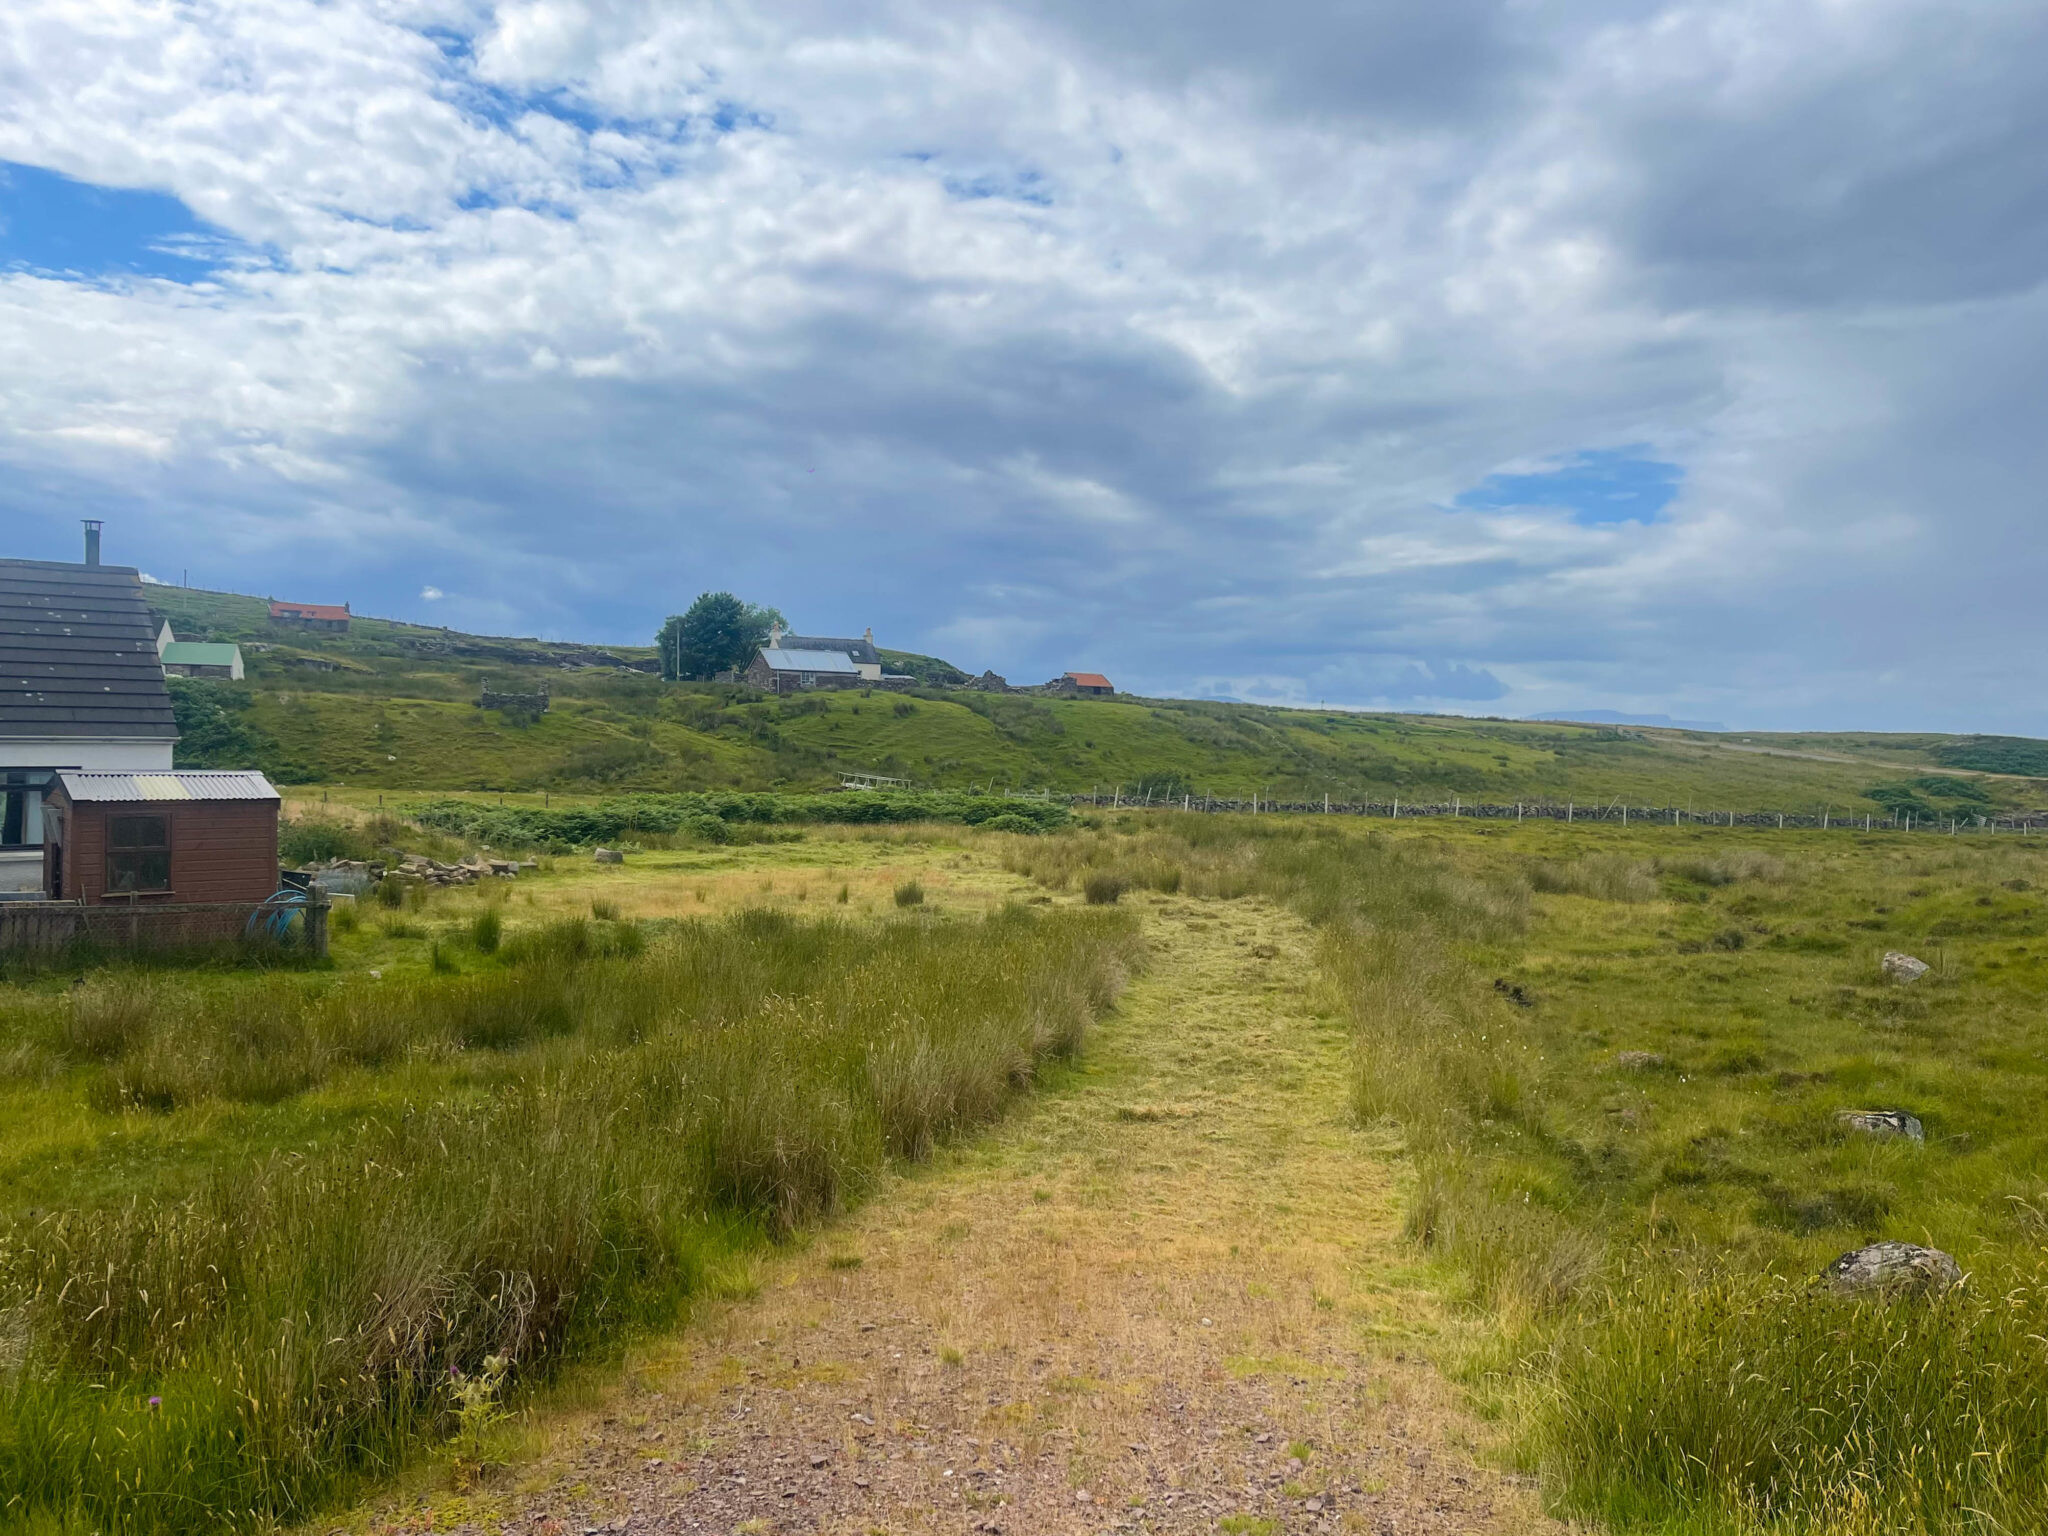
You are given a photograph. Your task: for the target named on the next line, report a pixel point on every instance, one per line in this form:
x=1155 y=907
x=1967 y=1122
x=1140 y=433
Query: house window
x=810 y=680
x=21 y=807
x=138 y=853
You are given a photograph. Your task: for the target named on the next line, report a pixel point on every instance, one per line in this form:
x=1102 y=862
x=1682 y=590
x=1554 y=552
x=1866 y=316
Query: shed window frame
x=138 y=855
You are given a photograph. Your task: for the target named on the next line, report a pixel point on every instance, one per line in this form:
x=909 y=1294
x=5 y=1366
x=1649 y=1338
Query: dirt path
x=1170 y=1296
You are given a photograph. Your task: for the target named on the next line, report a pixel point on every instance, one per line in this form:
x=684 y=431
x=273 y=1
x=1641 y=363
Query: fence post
x=1397 y=808
x=1567 y=810
x=316 y=926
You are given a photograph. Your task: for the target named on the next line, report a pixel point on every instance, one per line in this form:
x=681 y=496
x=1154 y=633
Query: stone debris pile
x=417 y=866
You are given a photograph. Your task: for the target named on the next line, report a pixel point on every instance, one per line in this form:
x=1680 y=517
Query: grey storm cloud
x=1257 y=351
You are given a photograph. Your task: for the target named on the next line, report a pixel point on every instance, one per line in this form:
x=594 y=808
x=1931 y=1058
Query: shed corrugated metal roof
x=92 y=788
x=309 y=611
x=201 y=653
x=808 y=661
x=1088 y=679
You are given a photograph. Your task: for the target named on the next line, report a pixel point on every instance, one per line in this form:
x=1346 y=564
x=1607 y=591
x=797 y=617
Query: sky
x=1487 y=356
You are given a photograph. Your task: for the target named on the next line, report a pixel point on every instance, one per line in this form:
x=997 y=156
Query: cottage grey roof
x=78 y=654
x=92 y=788
x=783 y=659
x=862 y=650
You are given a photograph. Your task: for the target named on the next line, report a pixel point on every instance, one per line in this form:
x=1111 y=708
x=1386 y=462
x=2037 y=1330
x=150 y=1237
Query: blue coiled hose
x=274 y=917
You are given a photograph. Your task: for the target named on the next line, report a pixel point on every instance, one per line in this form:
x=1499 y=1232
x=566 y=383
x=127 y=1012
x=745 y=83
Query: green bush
x=1010 y=821
x=719 y=818
x=910 y=894
x=313 y=840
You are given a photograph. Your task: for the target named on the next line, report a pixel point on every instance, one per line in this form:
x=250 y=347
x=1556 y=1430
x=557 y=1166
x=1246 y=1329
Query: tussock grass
x=1604 y=877
x=229 y=1354
x=1779 y=1406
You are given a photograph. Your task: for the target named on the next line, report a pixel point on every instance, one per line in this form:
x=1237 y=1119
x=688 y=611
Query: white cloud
x=432 y=594
x=1058 y=332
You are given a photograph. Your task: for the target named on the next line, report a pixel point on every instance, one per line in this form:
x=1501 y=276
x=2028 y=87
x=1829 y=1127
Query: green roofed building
x=197 y=658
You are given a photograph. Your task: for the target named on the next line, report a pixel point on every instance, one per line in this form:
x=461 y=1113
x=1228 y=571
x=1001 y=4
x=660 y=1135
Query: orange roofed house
x=311 y=616
x=1092 y=684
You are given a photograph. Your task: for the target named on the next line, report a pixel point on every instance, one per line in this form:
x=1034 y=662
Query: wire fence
x=1615 y=813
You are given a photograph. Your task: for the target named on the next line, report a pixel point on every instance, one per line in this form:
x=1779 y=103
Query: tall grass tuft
x=487 y=931
x=1602 y=876
x=233 y=1354
x=1776 y=1404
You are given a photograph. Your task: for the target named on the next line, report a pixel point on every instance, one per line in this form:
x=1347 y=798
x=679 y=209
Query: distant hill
x=392 y=705
x=1615 y=717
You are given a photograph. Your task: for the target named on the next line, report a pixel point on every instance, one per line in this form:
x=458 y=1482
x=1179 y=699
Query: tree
x=717 y=633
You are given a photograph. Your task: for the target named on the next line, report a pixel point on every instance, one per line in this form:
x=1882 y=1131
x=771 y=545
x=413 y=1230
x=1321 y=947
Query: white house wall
x=87 y=754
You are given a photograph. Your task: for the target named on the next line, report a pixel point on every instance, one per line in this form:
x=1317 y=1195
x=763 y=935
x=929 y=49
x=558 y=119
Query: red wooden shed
x=156 y=838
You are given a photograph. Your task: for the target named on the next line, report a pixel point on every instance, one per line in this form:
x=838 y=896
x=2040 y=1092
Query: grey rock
x=1883 y=1123
x=1903 y=967
x=608 y=856
x=1639 y=1061
x=1887 y=1267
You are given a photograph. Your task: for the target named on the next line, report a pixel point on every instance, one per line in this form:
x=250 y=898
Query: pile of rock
x=417 y=866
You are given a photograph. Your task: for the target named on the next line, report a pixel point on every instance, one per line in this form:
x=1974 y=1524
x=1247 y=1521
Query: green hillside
x=392 y=706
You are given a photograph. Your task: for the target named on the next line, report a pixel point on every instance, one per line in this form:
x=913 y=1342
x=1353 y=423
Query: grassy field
x=261 y=1232
x=1618 y=1062
x=250 y=1218
x=391 y=707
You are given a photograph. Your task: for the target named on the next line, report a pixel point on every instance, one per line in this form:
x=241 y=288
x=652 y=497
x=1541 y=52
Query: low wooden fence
x=1613 y=813
x=57 y=925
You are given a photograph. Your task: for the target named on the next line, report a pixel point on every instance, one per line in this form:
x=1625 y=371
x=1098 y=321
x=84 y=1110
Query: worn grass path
x=1168 y=1294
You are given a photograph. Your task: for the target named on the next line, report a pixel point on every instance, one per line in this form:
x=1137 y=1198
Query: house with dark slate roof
x=81 y=688
x=862 y=653
x=796 y=663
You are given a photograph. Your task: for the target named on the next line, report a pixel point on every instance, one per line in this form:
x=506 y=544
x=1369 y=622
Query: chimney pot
x=92 y=540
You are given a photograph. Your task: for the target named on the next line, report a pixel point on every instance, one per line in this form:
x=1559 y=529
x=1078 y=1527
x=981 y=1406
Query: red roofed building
x=1091 y=683
x=311 y=616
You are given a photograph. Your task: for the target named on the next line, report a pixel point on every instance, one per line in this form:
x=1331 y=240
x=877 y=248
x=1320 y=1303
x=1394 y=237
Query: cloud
x=432 y=594
x=1061 y=336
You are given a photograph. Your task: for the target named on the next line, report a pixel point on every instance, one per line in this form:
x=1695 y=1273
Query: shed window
x=138 y=853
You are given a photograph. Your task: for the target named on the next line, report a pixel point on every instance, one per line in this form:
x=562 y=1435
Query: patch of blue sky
x=1007 y=186
x=1597 y=486
x=51 y=223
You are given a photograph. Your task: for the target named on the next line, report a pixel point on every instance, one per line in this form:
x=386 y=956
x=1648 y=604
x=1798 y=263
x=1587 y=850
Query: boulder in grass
x=1639 y=1061
x=1888 y=1268
x=1903 y=967
x=1883 y=1123
x=608 y=856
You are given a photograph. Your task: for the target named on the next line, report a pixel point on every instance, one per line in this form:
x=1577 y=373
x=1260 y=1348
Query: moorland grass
x=359 y=1193
x=1617 y=1062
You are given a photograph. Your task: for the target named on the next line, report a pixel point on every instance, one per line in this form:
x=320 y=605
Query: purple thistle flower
x=155 y=1403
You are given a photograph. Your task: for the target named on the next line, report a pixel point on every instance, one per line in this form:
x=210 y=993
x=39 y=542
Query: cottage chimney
x=774 y=637
x=868 y=634
x=92 y=540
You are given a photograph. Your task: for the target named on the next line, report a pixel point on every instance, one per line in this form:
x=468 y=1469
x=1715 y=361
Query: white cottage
x=80 y=688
